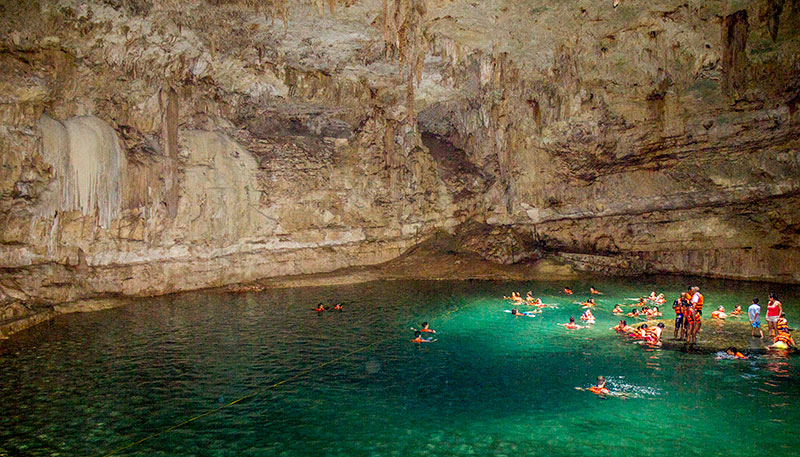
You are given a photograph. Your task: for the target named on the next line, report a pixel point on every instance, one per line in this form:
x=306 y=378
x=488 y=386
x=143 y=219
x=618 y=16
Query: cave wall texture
x=152 y=146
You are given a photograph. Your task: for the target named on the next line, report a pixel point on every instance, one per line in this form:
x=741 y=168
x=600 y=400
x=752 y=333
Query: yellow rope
x=302 y=373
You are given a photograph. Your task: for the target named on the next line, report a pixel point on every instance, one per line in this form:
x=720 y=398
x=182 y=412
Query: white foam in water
x=617 y=385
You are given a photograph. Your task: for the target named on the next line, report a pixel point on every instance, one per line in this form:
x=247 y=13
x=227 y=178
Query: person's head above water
x=424 y=325
x=571 y=320
x=417 y=333
x=601 y=381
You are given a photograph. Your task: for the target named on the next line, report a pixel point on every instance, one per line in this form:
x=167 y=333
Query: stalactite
x=88 y=165
x=404 y=35
x=169 y=140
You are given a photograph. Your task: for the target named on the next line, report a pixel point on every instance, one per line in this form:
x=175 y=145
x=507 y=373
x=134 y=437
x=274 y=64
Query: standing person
x=697 y=300
x=677 y=305
x=774 y=310
x=753 y=313
x=693 y=318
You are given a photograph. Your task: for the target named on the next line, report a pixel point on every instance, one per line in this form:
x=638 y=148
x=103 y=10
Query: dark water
x=493 y=384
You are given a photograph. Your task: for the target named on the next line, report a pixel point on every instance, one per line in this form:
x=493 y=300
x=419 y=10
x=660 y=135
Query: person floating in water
x=320 y=308
x=571 y=324
x=600 y=389
x=588 y=303
x=783 y=340
x=594 y=291
x=732 y=351
x=617 y=309
x=652 y=335
x=588 y=316
x=567 y=291
x=737 y=311
x=338 y=307
x=529 y=297
x=419 y=339
x=425 y=328
x=633 y=313
x=719 y=313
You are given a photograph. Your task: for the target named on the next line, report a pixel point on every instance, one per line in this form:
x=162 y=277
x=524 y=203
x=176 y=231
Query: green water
x=493 y=384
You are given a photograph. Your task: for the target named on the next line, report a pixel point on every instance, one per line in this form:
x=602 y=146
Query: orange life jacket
x=699 y=305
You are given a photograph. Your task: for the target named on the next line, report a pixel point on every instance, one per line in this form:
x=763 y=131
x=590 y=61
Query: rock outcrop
x=153 y=146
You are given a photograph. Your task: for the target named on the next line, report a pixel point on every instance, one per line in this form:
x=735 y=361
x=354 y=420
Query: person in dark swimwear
x=338 y=307
x=320 y=308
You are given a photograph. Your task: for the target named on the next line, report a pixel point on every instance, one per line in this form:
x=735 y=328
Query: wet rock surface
x=154 y=146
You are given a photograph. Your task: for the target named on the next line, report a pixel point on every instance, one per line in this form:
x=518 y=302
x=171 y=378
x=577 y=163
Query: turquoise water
x=493 y=384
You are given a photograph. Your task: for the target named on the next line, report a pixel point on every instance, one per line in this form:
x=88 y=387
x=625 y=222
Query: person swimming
x=735 y=353
x=594 y=291
x=633 y=313
x=338 y=307
x=719 y=313
x=419 y=339
x=567 y=291
x=737 y=311
x=424 y=328
x=571 y=324
x=588 y=316
x=600 y=388
x=617 y=309
x=320 y=308
x=588 y=303
x=652 y=296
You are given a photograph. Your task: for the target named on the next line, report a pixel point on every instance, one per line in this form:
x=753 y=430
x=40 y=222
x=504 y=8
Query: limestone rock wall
x=150 y=146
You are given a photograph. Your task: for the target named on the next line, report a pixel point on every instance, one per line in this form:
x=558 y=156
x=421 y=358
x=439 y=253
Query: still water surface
x=493 y=384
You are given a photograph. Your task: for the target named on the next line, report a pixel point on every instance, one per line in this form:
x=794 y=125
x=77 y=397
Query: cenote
x=493 y=384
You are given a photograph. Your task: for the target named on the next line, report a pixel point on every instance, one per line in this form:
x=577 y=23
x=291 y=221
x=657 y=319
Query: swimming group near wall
x=688 y=309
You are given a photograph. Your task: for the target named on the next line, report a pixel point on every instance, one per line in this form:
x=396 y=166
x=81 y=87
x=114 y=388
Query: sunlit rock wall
x=154 y=146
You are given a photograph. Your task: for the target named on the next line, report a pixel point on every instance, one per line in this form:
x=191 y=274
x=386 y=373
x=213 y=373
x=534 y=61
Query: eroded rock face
x=155 y=146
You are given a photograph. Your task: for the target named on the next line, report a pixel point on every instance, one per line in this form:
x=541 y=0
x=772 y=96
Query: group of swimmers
x=424 y=328
x=321 y=308
x=649 y=334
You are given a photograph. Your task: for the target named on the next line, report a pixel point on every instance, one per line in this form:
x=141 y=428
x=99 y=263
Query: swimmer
x=642 y=302
x=783 y=340
x=594 y=291
x=588 y=303
x=620 y=327
x=320 y=308
x=587 y=315
x=567 y=291
x=736 y=354
x=419 y=339
x=529 y=296
x=633 y=313
x=617 y=309
x=537 y=302
x=782 y=324
x=424 y=329
x=652 y=296
x=653 y=334
x=719 y=313
x=571 y=325
x=338 y=307
x=737 y=311
x=600 y=388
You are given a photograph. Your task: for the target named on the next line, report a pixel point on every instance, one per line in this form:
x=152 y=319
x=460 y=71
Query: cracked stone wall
x=155 y=146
